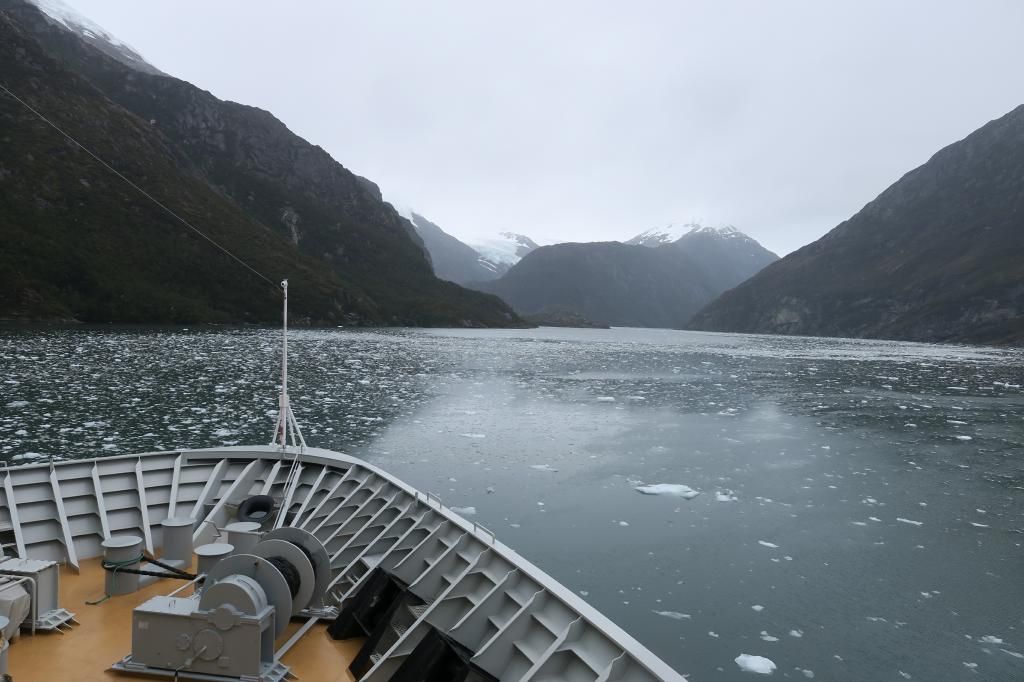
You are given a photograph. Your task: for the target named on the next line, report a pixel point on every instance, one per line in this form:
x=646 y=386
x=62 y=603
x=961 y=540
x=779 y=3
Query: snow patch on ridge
x=673 y=232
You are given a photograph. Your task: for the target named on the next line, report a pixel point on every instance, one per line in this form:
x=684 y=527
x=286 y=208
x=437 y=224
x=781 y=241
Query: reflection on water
x=861 y=509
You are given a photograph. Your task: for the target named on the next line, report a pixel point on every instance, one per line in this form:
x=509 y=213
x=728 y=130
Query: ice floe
x=464 y=511
x=676 y=489
x=543 y=467
x=725 y=496
x=909 y=521
x=674 y=615
x=749 y=663
x=765 y=543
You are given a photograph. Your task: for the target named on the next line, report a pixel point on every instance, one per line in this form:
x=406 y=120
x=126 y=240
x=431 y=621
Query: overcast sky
x=582 y=121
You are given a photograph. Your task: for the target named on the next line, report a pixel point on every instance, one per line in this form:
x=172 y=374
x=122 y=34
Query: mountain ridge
x=616 y=284
x=337 y=220
x=937 y=256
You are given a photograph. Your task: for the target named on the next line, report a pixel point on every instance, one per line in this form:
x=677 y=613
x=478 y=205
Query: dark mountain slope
x=726 y=256
x=249 y=158
x=938 y=256
x=640 y=285
x=606 y=282
x=80 y=243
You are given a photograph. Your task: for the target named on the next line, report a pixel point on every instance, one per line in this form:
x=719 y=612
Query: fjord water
x=861 y=506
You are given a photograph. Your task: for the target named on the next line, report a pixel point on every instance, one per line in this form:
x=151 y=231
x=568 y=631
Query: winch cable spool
x=294 y=565
x=313 y=551
x=290 y=573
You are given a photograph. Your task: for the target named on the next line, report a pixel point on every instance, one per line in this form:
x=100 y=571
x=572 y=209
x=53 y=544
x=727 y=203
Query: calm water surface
x=861 y=507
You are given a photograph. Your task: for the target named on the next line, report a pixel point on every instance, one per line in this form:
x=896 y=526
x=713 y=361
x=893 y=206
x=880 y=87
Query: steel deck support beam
x=101 y=507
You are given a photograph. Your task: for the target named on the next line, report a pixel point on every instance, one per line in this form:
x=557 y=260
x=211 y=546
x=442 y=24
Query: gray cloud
x=579 y=121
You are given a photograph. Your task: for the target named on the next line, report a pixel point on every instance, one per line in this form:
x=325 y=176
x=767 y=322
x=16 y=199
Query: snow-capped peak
x=673 y=232
x=507 y=248
x=92 y=33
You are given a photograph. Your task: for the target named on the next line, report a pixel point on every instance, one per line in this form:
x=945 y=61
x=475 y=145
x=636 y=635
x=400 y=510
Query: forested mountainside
x=81 y=244
x=938 y=256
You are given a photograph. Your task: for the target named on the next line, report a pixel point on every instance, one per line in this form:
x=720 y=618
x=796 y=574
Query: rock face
x=610 y=283
x=289 y=201
x=938 y=256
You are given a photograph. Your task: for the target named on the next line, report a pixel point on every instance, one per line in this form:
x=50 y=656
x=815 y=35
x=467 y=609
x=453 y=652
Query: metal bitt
x=178 y=539
x=287 y=428
x=243 y=535
x=121 y=551
x=208 y=556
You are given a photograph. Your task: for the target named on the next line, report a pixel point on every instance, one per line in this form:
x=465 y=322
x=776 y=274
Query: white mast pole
x=281 y=428
x=285 y=407
x=286 y=423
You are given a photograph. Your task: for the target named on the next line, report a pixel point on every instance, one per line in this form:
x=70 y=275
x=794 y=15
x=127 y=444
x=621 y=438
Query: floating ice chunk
x=473 y=435
x=674 y=615
x=963 y=438
x=713 y=634
x=464 y=511
x=757 y=607
x=1012 y=653
x=677 y=489
x=725 y=496
x=755 y=664
x=768 y=638
x=623 y=523
x=911 y=522
x=904 y=675
x=605 y=399
x=859 y=523
x=809 y=674
x=796 y=633
x=979 y=525
x=27 y=456
x=765 y=543
x=21 y=432
x=875 y=519
x=991 y=639
x=543 y=467
x=971 y=666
